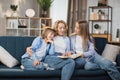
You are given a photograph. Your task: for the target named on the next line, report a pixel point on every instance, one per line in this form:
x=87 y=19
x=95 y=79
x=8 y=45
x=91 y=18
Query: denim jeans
x=80 y=62
x=28 y=64
x=67 y=65
x=100 y=62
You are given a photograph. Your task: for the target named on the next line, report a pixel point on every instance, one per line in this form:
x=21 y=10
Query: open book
x=73 y=56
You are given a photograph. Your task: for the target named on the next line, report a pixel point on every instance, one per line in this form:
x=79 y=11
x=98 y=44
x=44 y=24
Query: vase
x=14 y=14
x=44 y=14
x=117 y=39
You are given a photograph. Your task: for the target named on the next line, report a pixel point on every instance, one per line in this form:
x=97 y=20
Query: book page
x=73 y=56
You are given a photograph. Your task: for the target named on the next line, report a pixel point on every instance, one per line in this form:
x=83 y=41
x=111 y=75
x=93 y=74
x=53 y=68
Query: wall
x=59 y=10
x=115 y=4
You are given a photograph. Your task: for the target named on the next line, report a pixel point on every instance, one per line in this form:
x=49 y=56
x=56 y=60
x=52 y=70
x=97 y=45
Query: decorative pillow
x=110 y=52
x=7 y=59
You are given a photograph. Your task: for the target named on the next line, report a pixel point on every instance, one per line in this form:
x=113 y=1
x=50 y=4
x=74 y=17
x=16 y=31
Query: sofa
x=16 y=46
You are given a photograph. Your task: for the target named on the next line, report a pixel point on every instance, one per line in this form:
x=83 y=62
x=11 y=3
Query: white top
x=60 y=44
x=40 y=51
x=78 y=44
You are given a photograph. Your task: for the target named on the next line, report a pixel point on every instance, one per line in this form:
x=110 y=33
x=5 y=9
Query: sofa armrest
x=118 y=60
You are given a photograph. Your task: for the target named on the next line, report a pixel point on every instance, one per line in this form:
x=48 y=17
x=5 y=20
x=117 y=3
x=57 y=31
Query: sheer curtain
x=76 y=11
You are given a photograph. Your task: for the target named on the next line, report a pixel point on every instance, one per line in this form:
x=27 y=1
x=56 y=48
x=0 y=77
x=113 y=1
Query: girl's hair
x=55 y=27
x=84 y=33
x=46 y=32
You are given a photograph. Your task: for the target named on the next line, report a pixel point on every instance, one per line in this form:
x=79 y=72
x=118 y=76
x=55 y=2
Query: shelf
x=108 y=36
x=114 y=42
x=102 y=16
x=12 y=28
x=98 y=7
x=101 y=20
x=33 y=25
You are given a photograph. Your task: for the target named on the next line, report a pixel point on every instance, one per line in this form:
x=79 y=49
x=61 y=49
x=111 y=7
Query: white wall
x=59 y=10
x=115 y=4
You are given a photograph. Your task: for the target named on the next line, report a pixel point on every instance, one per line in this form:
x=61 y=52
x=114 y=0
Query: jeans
x=100 y=62
x=28 y=64
x=80 y=62
x=67 y=65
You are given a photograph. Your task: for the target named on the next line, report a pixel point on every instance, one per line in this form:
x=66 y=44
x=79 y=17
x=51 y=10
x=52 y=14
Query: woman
x=61 y=48
x=82 y=43
x=34 y=58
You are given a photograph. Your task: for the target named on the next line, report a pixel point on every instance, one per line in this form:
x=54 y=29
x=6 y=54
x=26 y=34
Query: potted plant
x=117 y=35
x=45 y=5
x=14 y=8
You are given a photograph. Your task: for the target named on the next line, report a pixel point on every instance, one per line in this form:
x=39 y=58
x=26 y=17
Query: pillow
x=7 y=59
x=110 y=52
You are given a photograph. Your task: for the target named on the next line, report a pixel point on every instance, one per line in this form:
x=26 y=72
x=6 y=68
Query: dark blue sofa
x=16 y=46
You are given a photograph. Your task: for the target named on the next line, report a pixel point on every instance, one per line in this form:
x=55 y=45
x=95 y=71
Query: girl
x=82 y=43
x=61 y=48
x=34 y=58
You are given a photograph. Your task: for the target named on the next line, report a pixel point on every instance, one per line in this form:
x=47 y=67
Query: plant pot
x=14 y=14
x=117 y=39
x=44 y=14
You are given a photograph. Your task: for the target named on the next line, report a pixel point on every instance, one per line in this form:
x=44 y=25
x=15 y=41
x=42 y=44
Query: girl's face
x=61 y=29
x=77 y=29
x=50 y=36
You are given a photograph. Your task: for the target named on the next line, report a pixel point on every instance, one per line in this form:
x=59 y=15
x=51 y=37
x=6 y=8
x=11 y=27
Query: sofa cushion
x=6 y=58
x=100 y=44
x=110 y=52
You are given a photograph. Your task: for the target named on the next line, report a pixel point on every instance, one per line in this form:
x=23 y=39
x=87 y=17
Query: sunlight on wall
x=18 y=2
x=1 y=10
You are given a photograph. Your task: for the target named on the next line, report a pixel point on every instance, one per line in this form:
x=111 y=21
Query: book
x=73 y=56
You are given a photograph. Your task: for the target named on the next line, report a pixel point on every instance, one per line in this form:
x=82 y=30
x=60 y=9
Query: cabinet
x=100 y=21
x=25 y=26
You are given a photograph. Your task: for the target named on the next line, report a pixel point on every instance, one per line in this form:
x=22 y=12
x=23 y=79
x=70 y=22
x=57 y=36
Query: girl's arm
x=72 y=43
x=91 y=51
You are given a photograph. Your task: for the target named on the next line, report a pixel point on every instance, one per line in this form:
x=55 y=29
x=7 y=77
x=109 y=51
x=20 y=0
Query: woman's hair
x=46 y=32
x=84 y=32
x=55 y=27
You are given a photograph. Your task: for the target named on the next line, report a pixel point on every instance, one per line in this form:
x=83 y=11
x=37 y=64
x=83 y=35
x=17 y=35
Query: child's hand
x=29 y=51
x=49 y=41
x=36 y=62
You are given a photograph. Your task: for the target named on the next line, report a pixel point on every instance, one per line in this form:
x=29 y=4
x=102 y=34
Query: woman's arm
x=51 y=49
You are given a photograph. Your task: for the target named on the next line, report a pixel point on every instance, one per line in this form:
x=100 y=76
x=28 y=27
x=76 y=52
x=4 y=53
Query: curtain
x=76 y=11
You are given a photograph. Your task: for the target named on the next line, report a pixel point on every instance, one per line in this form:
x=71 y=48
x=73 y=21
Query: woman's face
x=61 y=29
x=77 y=29
x=50 y=36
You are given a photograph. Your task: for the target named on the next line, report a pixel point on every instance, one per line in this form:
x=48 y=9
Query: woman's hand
x=29 y=51
x=36 y=62
x=67 y=54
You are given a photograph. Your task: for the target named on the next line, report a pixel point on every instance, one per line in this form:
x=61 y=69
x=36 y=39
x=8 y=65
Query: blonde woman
x=61 y=48
x=82 y=43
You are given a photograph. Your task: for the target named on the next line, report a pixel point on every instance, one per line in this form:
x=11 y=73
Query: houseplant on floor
x=45 y=5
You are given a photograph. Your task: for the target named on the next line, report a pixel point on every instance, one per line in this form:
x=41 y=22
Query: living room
x=63 y=13
x=21 y=21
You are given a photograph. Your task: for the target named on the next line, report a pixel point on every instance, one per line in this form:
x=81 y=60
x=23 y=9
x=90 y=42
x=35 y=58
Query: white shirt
x=78 y=44
x=60 y=44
